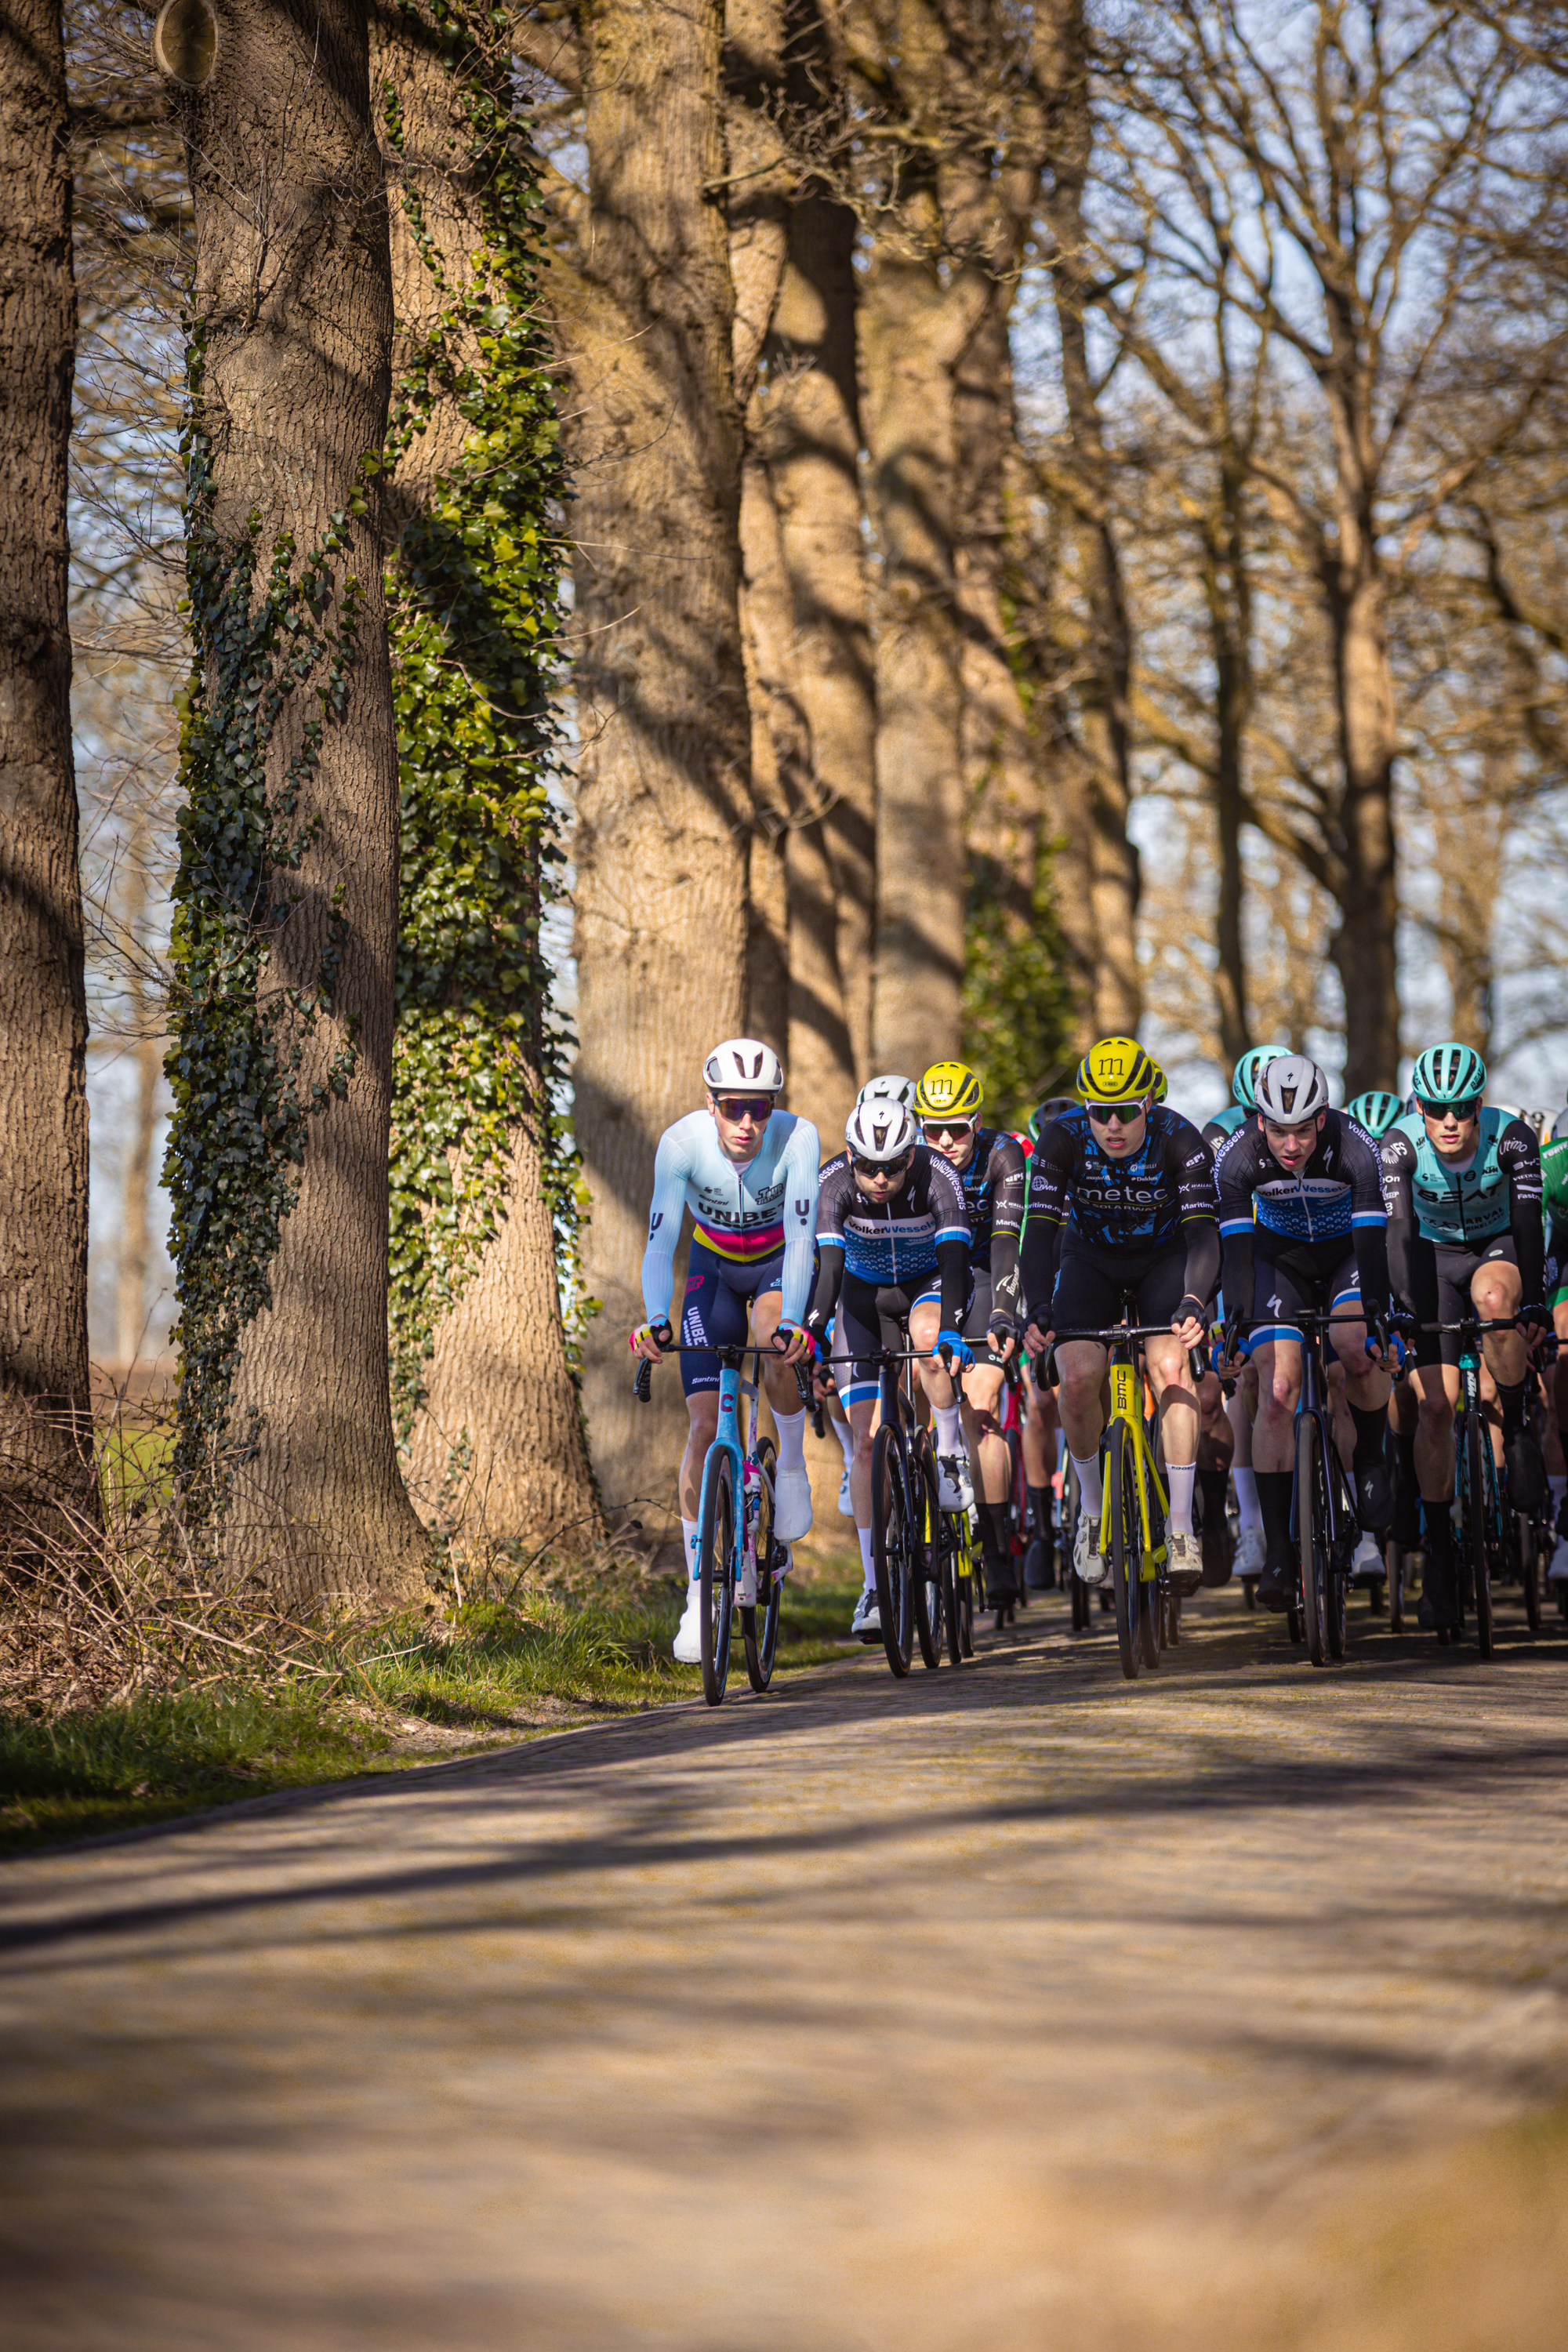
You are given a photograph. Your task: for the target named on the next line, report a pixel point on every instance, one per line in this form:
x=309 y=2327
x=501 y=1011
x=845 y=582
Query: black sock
x=1212 y=1485
x=1371 y=1437
x=1039 y=1514
x=1405 y=1449
x=1274 y=1488
x=1513 y=1401
x=1437 y=1528
x=995 y=1547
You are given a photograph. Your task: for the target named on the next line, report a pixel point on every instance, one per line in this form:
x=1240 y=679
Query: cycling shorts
x=1297 y=1281
x=872 y=1317
x=718 y=1308
x=1092 y=1283
x=1440 y=1277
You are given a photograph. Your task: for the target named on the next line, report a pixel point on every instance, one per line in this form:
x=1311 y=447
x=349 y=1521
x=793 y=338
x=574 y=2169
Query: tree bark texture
x=44 y=1427
x=664 y=789
x=500 y=1439
x=147 y=1061
x=293 y=291
x=1104 y=693
x=1227 y=591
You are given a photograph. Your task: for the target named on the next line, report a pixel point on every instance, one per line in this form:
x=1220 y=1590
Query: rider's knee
x=1434 y=1413
x=1080 y=1391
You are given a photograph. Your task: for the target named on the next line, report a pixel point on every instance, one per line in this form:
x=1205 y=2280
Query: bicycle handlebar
x=1045 y=1362
x=642 y=1379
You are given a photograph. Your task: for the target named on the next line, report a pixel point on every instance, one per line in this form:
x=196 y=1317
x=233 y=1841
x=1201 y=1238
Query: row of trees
x=976 y=418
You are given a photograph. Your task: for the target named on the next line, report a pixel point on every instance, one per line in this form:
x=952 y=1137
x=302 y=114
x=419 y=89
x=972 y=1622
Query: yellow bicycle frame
x=1126 y=1401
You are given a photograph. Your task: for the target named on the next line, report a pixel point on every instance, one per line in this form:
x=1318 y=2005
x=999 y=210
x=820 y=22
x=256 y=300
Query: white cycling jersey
x=743 y=1213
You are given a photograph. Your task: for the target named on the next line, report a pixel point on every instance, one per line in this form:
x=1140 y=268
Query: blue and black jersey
x=1159 y=1198
x=994 y=1185
x=1329 y=1207
x=922 y=1230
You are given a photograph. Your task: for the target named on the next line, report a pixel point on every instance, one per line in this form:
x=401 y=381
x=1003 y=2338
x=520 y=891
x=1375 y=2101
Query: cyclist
x=1554 y=1203
x=747 y=1171
x=1300 y=1210
x=892 y=1248
x=886 y=1087
x=1242 y=1104
x=1242 y=1404
x=990 y=1167
x=1121 y=1200
x=1042 y=1424
x=1462 y=1185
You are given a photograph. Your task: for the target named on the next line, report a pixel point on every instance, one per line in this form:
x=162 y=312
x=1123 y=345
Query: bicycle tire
x=963 y=1581
x=925 y=1583
x=1015 y=1512
x=1078 y=1590
x=716 y=1571
x=1477 y=1515
x=759 y=1624
x=1394 y=1559
x=1126 y=1564
x=1337 y=1589
x=892 y=1542
x=1528 y=1537
x=951 y=1619
x=1311 y=1545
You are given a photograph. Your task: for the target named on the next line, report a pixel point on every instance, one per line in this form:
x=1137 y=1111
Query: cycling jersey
x=920 y=1229
x=1307 y=1214
x=1554 y=1180
x=1497 y=1192
x=744 y=1214
x=994 y=1182
x=1160 y=1197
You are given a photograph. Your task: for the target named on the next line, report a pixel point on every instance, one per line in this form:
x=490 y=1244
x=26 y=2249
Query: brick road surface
x=1005 y=2007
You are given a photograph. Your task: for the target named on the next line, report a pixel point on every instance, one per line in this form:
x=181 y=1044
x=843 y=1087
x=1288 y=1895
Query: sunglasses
x=882 y=1167
x=1461 y=1110
x=944 y=1130
x=735 y=1108
x=1101 y=1114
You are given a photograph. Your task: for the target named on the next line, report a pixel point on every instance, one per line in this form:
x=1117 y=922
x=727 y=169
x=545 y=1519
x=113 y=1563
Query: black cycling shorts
x=873 y=1316
x=718 y=1308
x=1440 y=1277
x=976 y=1323
x=1308 y=1279
x=1091 y=1285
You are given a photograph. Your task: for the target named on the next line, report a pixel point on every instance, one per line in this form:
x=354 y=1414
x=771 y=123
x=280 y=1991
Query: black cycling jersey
x=994 y=1183
x=1160 y=1197
x=1429 y=1204
x=921 y=1230
x=1331 y=1204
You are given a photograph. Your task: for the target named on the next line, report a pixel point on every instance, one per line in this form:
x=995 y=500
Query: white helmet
x=888 y=1088
x=1290 y=1090
x=881 y=1131
x=745 y=1065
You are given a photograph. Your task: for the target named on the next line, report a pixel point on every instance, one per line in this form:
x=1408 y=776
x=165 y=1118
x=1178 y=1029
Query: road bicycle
x=907 y=1532
x=1133 y=1499
x=1497 y=1540
x=741 y=1563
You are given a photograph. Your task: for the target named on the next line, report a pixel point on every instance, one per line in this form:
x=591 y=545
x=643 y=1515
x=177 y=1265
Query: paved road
x=1005 y=2008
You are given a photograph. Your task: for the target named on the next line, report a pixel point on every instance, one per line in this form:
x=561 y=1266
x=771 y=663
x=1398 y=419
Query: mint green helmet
x=1375 y=1112
x=1447 y=1076
x=1245 y=1077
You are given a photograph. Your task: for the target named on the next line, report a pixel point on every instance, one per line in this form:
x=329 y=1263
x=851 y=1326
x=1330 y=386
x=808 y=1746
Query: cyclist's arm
x=825 y=1290
x=953 y=1240
x=952 y=1272
x=1191 y=1162
x=1398 y=1158
x=1009 y=1180
x=1234 y=1179
x=671 y=1169
x=1518 y=1151
x=799 y=1169
x=1369 y=1218
x=1050 y=1169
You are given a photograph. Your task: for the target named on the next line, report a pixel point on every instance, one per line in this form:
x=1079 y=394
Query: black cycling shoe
x=1277 y=1588
x=1407 y=1517
x=1439 y=1612
x=1218 y=1554
x=1526 y=1472
x=1374 y=1498
x=1039 y=1576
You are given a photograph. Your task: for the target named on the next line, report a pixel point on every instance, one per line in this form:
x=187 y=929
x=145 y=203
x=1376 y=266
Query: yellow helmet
x=1117 y=1070
x=948 y=1090
x=1161 y=1083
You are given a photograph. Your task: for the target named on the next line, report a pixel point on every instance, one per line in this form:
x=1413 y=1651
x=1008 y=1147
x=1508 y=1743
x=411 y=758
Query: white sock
x=790 y=1427
x=949 y=1428
x=691 y=1531
x=1559 y=1487
x=1089 y=1485
x=1179 y=1477
x=846 y=1439
x=867 y=1563
x=1246 y=1497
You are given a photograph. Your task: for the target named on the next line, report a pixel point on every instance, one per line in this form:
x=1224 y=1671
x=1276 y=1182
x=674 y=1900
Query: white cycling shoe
x=1251 y=1552
x=955 y=1487
x=1184 y=1562
x=867 y=1620
x=1368 y=1566
x=1088 y=1566
x=845 y=1507
x=792 y=1504
x=687 y=1643
x=1558 y=1572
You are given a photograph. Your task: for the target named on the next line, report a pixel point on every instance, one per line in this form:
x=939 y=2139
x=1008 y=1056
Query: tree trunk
x=1228 y=592
x=664 y=791
x=45 y=1425
x=499 y=1437
x=147 y=1058
x=1104 y=692
x=1364 y=943
x=292 y=295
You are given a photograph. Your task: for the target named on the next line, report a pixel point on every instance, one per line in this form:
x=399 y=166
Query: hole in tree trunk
x=184 y=41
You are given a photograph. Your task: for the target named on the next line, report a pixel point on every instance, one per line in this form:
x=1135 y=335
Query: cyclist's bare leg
x=1436 y=1388
x=862 y=1421
x=1040 y=1426
x=1216 y=1441
x=1176 y=1405
x=702 y=1427
x=1497 y=1289
x=1083 y=1396
x=1278 y=1364
x=988 y=1449
x=925 y=1322
x=778 y=1379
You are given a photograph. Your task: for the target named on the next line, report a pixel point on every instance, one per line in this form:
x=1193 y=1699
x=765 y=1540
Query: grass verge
x=397 y=1694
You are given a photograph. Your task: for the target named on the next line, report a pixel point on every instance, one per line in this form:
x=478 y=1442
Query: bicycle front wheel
x=1313 y=1536
x=759 y=1624
x=1126 y=1552
x=1478 y=1512
x=925 y=1587
x=892 y=1549
x=1527 y=1538
x=716 y=1568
